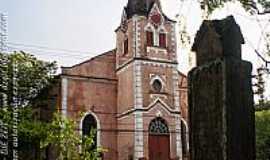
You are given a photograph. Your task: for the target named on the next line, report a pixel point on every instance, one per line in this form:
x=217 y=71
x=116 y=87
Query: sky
x=70 y=31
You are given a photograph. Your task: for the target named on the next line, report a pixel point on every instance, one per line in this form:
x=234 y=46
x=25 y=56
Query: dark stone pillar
x=221 y=108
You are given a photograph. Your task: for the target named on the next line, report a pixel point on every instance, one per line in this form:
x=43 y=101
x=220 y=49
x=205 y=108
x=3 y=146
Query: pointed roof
x=139 y=7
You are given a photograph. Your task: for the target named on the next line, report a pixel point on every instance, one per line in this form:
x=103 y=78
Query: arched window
x=149 y=38
x=126 y=46
x=157 y=86
x=89 y=123
x=184 y=138
x=162 y=40
x=158 y=126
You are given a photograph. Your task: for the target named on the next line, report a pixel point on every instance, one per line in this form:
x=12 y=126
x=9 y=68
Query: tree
x=254 y=7
x=22 y=78
x=60 y=133
x=259 y=7
x=63 y=136
x=32 y=76
x=263 y=135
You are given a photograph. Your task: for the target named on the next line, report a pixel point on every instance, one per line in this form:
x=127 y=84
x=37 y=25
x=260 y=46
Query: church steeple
x=139 y=7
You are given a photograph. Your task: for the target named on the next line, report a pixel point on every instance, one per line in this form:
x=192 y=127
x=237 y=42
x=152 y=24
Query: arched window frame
x=158 y=88
x=98 y=126
x=162 y=30
x=159 y=28
x=125 y=45
x=156 y=77
x=164 y=122
x=186 y=134
x=150 y=28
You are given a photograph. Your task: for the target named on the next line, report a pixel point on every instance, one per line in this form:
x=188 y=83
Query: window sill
x=156 y=49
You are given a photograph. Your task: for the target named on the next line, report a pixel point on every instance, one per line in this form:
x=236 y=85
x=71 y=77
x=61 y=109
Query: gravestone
x=221 y=108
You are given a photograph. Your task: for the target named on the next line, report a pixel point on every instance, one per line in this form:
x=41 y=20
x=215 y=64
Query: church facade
x=133 y=95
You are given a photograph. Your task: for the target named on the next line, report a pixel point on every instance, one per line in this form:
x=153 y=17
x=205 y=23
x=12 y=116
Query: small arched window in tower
x=162 y=40
x=89 y=125
x=126 y=46
x=149 y=38
x=157 y=86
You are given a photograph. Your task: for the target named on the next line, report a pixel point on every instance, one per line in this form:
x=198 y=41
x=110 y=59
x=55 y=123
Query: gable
x=101 y=66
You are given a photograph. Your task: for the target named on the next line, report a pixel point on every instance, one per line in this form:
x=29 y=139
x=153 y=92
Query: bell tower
x=148 y=79
x=144 y=30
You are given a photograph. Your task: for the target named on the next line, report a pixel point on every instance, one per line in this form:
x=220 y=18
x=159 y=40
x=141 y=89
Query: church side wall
x=101 y=66
x=125 y=137
x=121 y=36
x=125 y=96
x=183 y=96
x=97 y=97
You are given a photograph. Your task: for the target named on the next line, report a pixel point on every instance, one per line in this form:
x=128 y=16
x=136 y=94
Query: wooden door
x=159 y=147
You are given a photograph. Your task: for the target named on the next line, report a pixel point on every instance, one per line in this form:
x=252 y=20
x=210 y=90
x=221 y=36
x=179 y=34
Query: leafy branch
x=260 y=7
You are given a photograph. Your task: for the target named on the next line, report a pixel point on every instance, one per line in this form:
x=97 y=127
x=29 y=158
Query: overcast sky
x=87 y=27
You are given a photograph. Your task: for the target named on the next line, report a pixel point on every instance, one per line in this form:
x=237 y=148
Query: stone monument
x=221 y=108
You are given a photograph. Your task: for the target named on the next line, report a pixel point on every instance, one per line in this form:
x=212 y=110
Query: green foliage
x=62 y=135
x=263 y=135
x=88 y=151
x=185 y=38
x=22 y=78
x=252 y=6
x=263 y=106
x=30 y=129
x=268 y=44
x=32 y=76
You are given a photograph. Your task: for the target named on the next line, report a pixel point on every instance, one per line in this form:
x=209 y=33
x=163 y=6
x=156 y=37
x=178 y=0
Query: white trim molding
x=138 y=116
x=138 y=136
x=136 y=36
x=162 y=29
x=173 y=41
x=158 y=100
x=156 y=10
x=156 y=50
x=64 y=93
x=137 y=85
x=179 y=151
x=187 y=133
x=176 y=89
x=149 y=27
x=154 y=77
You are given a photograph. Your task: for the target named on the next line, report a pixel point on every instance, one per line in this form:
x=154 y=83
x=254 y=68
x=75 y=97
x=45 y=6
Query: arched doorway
x=159 y=140
x=89 y=124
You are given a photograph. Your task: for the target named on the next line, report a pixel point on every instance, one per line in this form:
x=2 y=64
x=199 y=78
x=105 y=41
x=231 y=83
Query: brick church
x=133 y=95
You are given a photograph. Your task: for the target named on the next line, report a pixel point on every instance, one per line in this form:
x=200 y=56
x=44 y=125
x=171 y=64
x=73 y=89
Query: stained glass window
x=158 y=126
